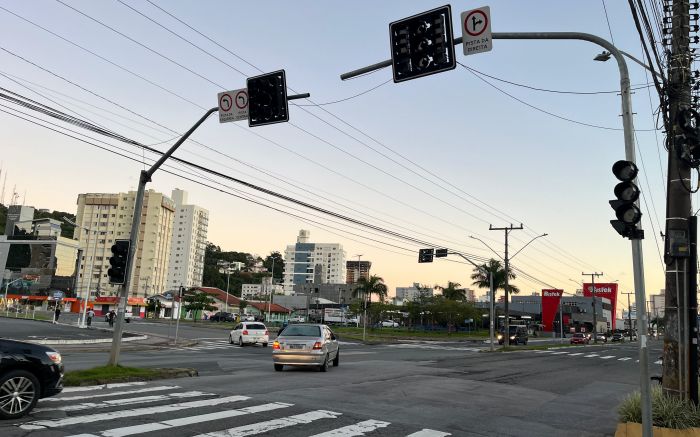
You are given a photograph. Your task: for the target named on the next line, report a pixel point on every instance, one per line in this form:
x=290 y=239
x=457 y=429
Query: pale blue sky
x=552 y=175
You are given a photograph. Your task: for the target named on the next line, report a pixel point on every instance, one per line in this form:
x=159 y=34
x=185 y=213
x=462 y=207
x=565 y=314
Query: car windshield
x=302 y=331
x=255 y=326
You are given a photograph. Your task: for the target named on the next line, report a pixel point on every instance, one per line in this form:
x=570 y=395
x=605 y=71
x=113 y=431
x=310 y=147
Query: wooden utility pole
x=506 y=326
x=678 y=208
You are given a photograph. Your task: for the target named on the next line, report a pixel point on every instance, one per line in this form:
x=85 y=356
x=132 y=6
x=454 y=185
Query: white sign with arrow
x=476 y=30
x=233 y=105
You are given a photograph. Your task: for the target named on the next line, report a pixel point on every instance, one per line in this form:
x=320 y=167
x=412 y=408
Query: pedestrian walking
x=56 y=314
x=111 y=318
x=90 y=315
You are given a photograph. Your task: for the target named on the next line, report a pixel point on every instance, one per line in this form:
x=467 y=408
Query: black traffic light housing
x=267 y=99
x=422 y=44
x=425 y=255
x=440 y=253
x=119 y=262
x=627 y=194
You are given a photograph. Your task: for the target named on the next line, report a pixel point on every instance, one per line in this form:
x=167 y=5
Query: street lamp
x=272 y=283
x=81 y=321
x=228 y=273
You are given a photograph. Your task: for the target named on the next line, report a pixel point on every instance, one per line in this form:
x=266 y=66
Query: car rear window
x=302 y=331
x=578 y=335
x=254 y=326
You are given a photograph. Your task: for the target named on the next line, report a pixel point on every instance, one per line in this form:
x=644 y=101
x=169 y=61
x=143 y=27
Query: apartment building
x=189 y=241
x=108 y=216
x=356 y=270
x=319 y=263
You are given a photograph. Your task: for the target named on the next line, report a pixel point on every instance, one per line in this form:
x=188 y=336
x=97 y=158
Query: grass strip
x=109 y=374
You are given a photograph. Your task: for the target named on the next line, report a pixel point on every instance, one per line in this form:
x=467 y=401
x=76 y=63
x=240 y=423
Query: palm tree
x=494 y=266
x=367 y=287
x=452 y=291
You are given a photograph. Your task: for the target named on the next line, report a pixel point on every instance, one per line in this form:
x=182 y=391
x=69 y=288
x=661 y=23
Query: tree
x=452 y=291
x=277 y=275
x=481 y=277
x=242 y=306
x=154 y=306
x=366 y=287
x=198 y=302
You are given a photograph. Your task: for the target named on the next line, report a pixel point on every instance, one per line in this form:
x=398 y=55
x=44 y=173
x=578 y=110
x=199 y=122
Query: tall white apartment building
x=188 y=243
x=109 y=216
x=407 y=294
x=306 y=262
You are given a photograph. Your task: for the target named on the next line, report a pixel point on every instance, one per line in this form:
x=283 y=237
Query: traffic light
x=440 y=253
x=119 y=262
x=627 y=193
x=267 y=99
x=422 y=44
x=425 y=255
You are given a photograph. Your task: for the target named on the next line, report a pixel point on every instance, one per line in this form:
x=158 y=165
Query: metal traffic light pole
x=144 y=178
x=628 y=130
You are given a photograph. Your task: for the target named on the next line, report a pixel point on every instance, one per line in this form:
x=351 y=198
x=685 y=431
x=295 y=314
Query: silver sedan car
x=306 y=345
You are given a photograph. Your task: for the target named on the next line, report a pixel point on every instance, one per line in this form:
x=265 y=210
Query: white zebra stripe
x=115 y=393
x=358 y=429
x=270 y=425
x=429 y=433
x=102 y=387
x=126 y=401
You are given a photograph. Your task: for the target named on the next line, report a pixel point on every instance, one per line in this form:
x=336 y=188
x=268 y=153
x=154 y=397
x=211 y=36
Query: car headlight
x=499 y=336
x=512 y=337
x=54 y=356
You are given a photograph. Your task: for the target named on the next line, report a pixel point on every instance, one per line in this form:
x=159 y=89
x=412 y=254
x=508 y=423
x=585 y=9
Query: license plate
x=295 y=346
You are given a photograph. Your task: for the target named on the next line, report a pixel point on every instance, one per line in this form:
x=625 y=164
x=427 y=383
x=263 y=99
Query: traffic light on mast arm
x=267 y=99
x=422 y=44
x=119 y=262
x=425 y=255
x=626 y=209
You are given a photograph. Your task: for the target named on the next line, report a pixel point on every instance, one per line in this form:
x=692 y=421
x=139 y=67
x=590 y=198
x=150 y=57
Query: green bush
x=667 y=411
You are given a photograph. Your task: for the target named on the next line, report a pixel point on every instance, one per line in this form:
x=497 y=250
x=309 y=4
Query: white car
x=249 y=333
x=247 y=318
x=390 y=324
x=297 y=319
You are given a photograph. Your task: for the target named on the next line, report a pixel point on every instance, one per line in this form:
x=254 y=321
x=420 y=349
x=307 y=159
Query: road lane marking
x=543 y=351
x=115 y=393
x=112 y=415
x=624 y=359
x=102 y=387
x=656 y=362
x=607 y=357
x=358 y=429
x=559 y=353
x=184 y=421
x=575 y=354
x=270 y=425
x=590 y=356
x=126 y=401
x=429 y=433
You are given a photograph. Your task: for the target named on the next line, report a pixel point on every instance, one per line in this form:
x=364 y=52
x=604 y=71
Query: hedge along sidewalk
x=110 y=374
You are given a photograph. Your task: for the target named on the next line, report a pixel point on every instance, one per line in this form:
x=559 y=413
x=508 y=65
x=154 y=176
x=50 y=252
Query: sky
x=439 y=159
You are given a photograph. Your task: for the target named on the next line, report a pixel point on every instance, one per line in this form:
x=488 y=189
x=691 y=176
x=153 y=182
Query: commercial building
x=408 y=294
x=317 y=263
x=342 y=294
x=109 y=216
x=356 y=270
x=260 y=291
x=189 y=241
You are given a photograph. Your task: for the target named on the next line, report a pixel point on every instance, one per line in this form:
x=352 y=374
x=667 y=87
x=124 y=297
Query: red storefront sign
x=608 y=291
x=550 y=305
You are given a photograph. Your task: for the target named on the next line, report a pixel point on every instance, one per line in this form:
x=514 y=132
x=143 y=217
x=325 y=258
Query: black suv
x=28 y=372
x=223 y=317
x=518 y=335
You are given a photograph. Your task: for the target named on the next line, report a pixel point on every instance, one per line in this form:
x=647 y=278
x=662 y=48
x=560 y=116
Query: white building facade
x=109 y=216
x=306 y=262
x=189 y=241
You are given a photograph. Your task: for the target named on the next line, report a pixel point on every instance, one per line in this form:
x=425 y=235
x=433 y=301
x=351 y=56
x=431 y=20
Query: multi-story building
x=260 y=291
x=470 y=295
x=318 y=263
x=109 y=216
x=354 y=273
x=189 y=241
x=657 y=305
x=407 y=294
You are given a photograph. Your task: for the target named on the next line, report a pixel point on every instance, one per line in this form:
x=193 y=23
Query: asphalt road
x=416 y=389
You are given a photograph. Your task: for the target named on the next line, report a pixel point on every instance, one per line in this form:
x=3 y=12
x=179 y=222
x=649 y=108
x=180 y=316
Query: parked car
x=518 y=335
x=127 y=316
x=306 y=345
x=223 y=316
x=248 y=318
x=389 y=324
x=28 y=372
x=249 y=333
x=580 y=338
x=297 y=319
x=601 y=337
x=618 y=337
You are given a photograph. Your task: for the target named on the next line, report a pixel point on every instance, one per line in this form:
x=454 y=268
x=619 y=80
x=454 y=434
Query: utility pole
x=506 y=326
x=595 y=318
x=629 y=314
x=678 y=208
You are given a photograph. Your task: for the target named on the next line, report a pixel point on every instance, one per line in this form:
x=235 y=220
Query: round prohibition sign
x=241 y=99
x=225 y=102
x=481 y=20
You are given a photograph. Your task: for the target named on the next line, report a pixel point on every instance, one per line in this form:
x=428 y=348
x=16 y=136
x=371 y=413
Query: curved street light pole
x=81 y=319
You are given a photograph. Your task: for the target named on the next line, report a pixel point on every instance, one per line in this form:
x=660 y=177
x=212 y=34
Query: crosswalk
x=599 y=355
x=208 y=345
x=432 y=346
x=128 y=409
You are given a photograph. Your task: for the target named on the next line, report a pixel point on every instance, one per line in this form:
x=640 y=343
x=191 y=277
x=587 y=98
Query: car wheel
x=279 y=367
x=336 y=360
x=240 y=341
x=230 y=339
x=324 y=366
x=19 y=393
x=264 y=344
x=128 y=320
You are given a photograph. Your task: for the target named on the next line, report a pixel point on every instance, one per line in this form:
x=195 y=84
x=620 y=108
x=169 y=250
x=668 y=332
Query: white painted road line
x=575 y=354
x=270 y=425
x=101 y=387
x=624 y=359
x=357 y=429
x=607 y=357
x=590 y=356
x=559 y=353
x=184 y=421
x=545 y=351
x=429 y=433
x=658 y=362
x=126 y=401
x=113 y=415
x=114 y=393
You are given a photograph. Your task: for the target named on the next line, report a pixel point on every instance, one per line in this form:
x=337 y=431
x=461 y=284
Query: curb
x=93 y=341
x=169 y=373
